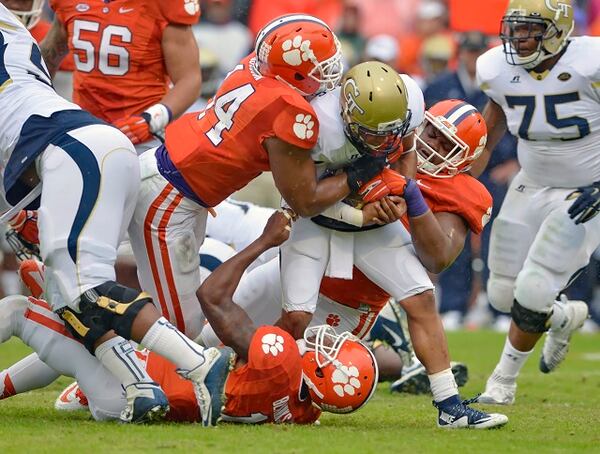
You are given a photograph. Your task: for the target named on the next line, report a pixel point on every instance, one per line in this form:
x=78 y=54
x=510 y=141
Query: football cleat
x=198 y=377
x=71 y=399
x=215 y=382
x=146 y=403
x=454 y=414
x=31 y=272
x=414 y=379
x=557 y=340
x=499 y=390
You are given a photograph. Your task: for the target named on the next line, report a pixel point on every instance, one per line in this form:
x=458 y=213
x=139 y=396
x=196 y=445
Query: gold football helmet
x=548 y=22
x=374 y=105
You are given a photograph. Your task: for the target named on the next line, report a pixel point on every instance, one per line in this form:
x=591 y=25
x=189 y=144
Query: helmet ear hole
x=319 y=372
x=299 y=76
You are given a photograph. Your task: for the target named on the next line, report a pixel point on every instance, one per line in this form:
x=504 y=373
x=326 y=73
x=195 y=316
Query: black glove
x=587 y=203
x=363 y=169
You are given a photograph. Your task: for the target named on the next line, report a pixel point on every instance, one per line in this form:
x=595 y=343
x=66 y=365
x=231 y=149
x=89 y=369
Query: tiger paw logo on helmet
x=303 y=128
x=333 y=320
x=272 y=344
x=191 y=7
x=346 y=379
x=296 y=51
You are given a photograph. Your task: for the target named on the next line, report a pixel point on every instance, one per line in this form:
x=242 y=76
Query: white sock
x=166 y=340
x=119 y=357
x=443 y=385
x=511 y=360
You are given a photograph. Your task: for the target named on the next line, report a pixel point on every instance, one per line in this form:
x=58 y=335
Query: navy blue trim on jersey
x=90 y=176
x=36 y=134
x=210 y=262
x=170 y=173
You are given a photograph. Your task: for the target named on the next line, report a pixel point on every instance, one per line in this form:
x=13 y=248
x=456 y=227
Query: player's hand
x=25 y=224
x=362 y=170
x=384 y=211
x=135 y=127
x=278 y=227
x=386 y=183
x=587 y=203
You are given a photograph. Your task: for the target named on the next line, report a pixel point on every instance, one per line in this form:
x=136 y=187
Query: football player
x=545 y=89
x=452 y=136
x=259 y=120
x=127 y=54
x=90 y=173
x=272 y=379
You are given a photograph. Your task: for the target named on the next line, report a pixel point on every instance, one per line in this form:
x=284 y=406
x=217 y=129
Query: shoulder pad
x=489 y=66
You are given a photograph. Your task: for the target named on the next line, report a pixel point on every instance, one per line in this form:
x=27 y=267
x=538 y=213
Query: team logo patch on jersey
x=272 y=344
x=303 y=128
x=191 y=7
x=333 y=320
x=516 y=79
x=82 y=7
x=564 y=77
x=297 y=50
x=346 y=381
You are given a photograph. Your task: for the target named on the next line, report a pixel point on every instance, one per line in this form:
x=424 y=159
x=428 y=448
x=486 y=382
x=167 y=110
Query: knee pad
x=109 y=306
x=509 y=244
x=535 y=288
x=528 y=320
x=500 y=292
x=12 y=313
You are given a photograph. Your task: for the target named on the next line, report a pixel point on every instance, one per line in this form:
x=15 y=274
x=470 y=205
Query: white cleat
x=557 y=340
x=71 y=399
x=499 y=390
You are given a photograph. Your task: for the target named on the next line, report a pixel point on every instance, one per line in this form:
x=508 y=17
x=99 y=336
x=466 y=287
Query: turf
x=559 y=412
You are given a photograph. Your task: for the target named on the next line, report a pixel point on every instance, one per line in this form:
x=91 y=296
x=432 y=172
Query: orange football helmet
x=340 y=371
x=460 y=124
x=301 y=51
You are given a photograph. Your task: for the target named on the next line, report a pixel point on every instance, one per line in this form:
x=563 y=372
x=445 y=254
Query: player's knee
x=535 y=288
x=500 y=292
x=109 y=306
x=12 y=312
x=528 y=320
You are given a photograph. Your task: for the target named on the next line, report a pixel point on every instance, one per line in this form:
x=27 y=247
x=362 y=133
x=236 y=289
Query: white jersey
x=333 y=150
x=27 y=100
x=556 y=117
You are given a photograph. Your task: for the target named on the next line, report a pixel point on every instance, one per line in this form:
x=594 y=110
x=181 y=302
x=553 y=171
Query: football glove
x=388 y=182
x=141 y=128
x=587 y=203
x=25 y=224
x=362 y=170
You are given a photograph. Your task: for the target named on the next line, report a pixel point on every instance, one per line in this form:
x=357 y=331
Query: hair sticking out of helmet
x=534 y=30
x=300 y=51
x=374 y=105
x=29 y=16
x=340 y=372
x=452 y=136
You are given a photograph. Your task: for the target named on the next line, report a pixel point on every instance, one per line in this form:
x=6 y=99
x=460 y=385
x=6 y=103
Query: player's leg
x=387 y=258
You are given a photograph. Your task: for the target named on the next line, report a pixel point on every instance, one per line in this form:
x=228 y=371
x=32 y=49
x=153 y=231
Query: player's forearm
x=183 y=94
x=433 y=245
x=311 y=200
x=54 y=47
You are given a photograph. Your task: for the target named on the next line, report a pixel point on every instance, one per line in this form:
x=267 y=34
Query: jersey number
x=225 y=107
x=550 y=103
x=106 y=50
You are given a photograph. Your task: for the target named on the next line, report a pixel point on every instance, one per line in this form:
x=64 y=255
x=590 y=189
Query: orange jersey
x=269 y=387
x=462 y=195
x=119 y=64
x=219 y=150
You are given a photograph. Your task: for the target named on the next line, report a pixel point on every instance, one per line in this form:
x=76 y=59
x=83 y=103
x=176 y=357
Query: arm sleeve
x=295 y=124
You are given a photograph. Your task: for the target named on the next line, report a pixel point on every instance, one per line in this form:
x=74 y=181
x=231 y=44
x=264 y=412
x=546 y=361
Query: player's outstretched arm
x=496 y=123
x=229 y=321
x=438 y=239
x=183 y=67
x=55 y=46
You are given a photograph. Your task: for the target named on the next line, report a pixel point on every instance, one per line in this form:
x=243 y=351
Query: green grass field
x=559 y=412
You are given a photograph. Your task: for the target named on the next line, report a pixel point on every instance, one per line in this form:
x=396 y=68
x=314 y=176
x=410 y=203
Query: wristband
x=415 y=203
x=158 y=117
x=341 y=211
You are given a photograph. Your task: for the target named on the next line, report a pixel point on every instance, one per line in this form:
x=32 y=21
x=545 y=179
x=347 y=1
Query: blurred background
x=437 y=43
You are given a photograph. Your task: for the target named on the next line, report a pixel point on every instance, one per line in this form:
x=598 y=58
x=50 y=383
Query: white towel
x=341 y=255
